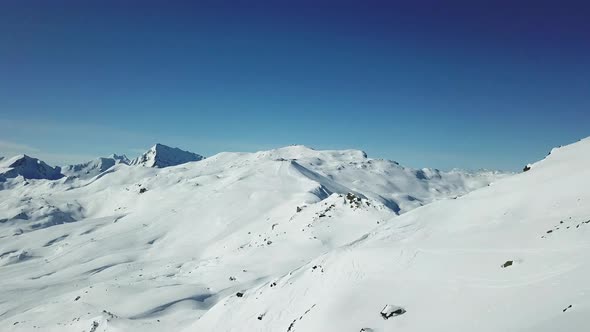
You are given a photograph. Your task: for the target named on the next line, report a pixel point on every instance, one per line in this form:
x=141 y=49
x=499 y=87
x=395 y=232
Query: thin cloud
x=11 y=146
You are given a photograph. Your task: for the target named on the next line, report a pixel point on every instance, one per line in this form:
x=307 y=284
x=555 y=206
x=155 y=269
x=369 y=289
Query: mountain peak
x=19 y=160
x=120 y=158
x=28 y=168
x=161 y=156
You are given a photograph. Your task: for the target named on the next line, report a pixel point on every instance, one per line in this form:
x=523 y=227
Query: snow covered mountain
x=94 y=167
x=157 y=156
x=510 y=257
x=399 y=188
x=28 y=168
x=162 y=156
x=152 y=248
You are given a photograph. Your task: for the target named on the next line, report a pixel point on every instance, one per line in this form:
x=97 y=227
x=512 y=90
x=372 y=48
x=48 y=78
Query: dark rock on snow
x=508 y=263
x=392 y=311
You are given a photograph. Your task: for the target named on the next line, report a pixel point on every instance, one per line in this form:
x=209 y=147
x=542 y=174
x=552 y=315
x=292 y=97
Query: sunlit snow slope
x=152 y=249
x=514 y=256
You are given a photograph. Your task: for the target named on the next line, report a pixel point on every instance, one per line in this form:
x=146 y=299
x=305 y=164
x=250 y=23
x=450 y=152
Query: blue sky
x=469 y=84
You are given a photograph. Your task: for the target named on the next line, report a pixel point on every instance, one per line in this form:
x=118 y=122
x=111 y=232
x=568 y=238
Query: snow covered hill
x=399 y=188
x=153 y=248
x=161 y=156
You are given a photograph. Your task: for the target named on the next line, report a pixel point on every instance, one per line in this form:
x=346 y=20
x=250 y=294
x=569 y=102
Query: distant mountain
x=399 y=188
x=161 y=156
x=28 y=168
x=94 y=167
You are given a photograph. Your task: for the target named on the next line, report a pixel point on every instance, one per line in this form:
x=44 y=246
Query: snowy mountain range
x=94 y=167
x=293 y=239
x=159 y=156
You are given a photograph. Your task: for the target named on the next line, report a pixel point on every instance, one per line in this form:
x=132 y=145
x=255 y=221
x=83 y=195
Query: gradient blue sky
x=469 y=84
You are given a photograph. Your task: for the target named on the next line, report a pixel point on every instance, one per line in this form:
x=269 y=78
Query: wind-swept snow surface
x=277 y=240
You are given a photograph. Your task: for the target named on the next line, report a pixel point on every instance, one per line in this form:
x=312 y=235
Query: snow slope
x=161 y=156
x=510 y=257
x=151 y=248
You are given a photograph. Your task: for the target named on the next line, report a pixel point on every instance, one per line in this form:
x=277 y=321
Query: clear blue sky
x=469 y=84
